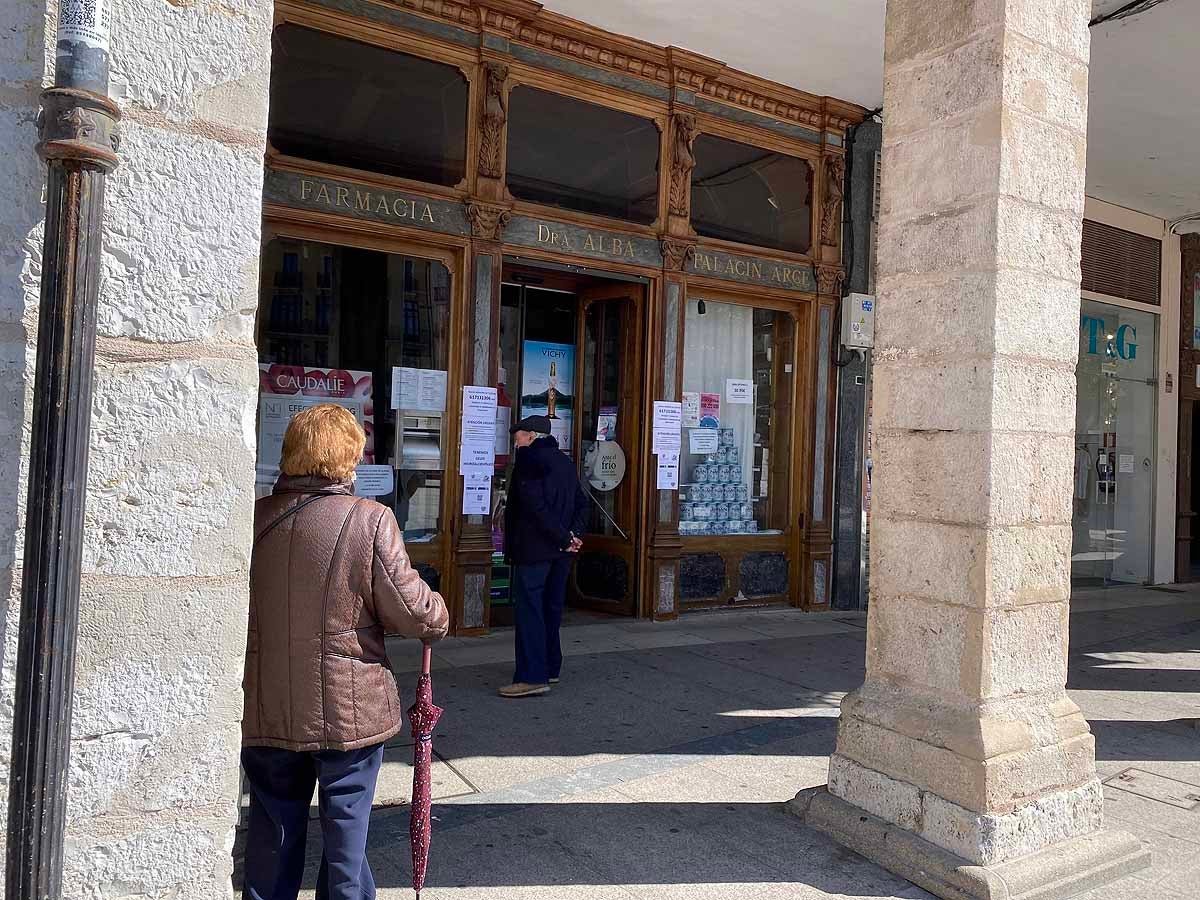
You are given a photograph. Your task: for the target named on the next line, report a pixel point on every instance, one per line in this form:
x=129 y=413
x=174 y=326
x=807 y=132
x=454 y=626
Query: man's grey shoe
x=520 y=689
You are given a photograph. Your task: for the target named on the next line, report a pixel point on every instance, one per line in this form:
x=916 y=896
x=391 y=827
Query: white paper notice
x=418 y=390
x=668 y=435
x=703 y=441
x=374 y=481
x=477 y=495
x=478 y=449
x=668 y=471
x=738 y=390
x=691 y=410
x=479 y=412
x=1126 y=463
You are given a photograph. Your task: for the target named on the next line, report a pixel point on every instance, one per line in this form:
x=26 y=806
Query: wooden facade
x=476 y=228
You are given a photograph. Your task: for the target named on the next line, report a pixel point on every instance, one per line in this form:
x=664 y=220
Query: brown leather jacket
x=325 y=584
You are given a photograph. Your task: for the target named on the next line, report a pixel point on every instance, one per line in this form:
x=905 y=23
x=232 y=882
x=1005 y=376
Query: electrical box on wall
x=858 y=321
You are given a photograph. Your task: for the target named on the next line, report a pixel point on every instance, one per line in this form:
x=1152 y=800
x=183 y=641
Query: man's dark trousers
x=539 y=593
x=281 y=789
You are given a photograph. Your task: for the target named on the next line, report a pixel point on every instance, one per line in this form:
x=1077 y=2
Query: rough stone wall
x=153 y=787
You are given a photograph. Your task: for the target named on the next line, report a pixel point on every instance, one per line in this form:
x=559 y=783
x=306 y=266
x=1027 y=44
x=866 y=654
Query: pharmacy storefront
x=636 y=242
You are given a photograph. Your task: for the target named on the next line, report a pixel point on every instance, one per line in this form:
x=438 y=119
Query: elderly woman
x=329 y=577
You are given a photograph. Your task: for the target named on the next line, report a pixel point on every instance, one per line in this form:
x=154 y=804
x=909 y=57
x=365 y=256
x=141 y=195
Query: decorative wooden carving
x=527 y=23
x=831 y=206
x=676 y=254
x=725 y=90
x=830 y=280
x=487 y=222
x=683 y=133
x=495 y=114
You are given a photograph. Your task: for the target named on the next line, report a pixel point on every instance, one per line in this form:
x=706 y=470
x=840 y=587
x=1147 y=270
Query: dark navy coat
x=545 y=504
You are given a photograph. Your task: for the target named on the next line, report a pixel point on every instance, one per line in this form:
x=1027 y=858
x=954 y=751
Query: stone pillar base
x=1064 y=870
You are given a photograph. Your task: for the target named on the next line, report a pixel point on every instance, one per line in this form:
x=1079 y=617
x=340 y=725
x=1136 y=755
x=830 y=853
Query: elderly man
x=544 y=518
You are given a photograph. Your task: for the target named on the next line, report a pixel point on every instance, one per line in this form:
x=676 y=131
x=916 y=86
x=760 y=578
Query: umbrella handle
x=426 y=657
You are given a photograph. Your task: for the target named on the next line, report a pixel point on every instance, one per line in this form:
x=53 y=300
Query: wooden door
x=609 y=375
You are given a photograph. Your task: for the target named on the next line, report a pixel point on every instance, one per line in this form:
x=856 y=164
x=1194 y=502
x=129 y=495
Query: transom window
x=338 y=101
x=577 y=155
x=750 y=195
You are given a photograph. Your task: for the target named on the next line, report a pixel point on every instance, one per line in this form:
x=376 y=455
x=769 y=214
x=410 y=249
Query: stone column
x=961 y=763
x=154 y=786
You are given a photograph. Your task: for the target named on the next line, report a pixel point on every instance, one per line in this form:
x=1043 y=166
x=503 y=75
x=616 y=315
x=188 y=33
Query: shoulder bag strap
x=291 y=512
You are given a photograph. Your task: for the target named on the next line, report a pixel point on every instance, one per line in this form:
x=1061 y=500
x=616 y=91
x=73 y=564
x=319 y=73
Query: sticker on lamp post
x=84 y=22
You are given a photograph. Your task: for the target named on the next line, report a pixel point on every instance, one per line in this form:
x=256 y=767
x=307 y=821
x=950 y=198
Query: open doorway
x=571 y=350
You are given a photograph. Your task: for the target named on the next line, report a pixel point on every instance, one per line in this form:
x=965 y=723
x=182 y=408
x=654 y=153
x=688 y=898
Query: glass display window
x=347 y=103
x=367 y=330
x=751 y=195
x=1116 y=427
x=577 y=155
x=737 y=415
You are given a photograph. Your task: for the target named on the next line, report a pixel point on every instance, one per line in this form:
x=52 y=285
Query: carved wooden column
x=493 y=132
x=488 y=212
x=817 y=520
x=666 y=321
x=679 y=192
x=667 y=374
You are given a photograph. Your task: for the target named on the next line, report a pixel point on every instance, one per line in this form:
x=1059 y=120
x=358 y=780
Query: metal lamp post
x=78 y=141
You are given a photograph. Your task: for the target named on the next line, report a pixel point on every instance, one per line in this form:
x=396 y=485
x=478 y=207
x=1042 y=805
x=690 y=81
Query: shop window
x=338 y=101
x=737 y=415
x=1115 y=445
x=751 y=195
x=334 y=324
x=577 y=155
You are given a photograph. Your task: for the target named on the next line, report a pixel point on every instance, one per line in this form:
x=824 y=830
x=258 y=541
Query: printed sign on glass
x=548 y=387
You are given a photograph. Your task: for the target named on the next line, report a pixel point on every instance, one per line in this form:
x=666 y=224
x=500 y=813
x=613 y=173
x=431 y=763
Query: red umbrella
x=422 y=716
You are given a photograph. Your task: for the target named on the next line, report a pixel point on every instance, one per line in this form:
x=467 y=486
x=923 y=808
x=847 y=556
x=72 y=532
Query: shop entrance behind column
x=571 y=349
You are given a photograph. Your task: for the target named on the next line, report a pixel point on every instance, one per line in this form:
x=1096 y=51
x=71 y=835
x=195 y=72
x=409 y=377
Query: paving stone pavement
x=659 y=767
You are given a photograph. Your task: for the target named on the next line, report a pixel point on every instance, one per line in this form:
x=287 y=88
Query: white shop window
x=737 y=382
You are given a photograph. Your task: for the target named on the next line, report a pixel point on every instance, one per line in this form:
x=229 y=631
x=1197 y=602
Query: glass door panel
x=1115 y=446
x=334 y=322
x=609 y=434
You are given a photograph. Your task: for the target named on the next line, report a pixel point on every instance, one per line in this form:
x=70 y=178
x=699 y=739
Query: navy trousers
x=539 y=593
x=281 y=789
